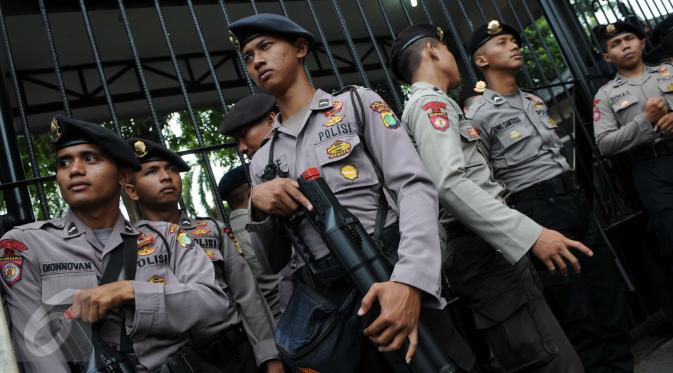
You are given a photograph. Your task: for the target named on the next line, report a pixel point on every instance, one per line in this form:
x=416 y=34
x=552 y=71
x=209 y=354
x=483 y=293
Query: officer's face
x=625 y=50
x=86 y=176
x=250 y=137
x=158 y=183
x=500 y=52
x=273 y=63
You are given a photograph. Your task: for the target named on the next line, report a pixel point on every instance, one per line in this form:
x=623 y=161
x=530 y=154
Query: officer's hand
x=665 y=123
x=400 y=310
x=279 y=197
x=552 y=247
x=91 y=305
x=274 y=366
x=655 y=108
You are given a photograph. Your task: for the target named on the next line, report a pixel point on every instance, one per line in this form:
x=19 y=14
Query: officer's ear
x=270 y=117
x=128 y=184
x=480 y=60
x=432 y=49
x=302 y=46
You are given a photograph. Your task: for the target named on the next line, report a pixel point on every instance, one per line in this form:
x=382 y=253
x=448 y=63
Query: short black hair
x=411 y=57
x=239 y=196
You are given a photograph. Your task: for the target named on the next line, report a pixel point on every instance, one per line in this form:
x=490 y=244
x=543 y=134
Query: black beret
x=662 y=40
x=487 y=31
x=245 y=29
x=150 y=151
x=67 y=132
x=471 y=90
x=611 y=30
x=248 y=110
x=406 y=38
x=231 y=180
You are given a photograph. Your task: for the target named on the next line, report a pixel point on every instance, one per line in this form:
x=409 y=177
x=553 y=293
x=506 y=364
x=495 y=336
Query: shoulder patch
x=439 y=118
x=387 y=116
x=11 y=266
x=185 y=241
x=597 y=111
x=13 y=245
x=200 y=229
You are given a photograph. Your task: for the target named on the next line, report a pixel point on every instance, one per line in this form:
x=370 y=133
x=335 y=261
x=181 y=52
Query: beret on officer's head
x=150 y=151
x=662 y=40
x=248 y=28
x=232 y=180
x=248 y=110
x=488 y=31
x=66 y=132
x=406 y=38
x=611 y=30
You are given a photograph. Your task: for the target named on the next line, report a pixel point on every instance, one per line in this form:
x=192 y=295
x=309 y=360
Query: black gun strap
x=122 y=256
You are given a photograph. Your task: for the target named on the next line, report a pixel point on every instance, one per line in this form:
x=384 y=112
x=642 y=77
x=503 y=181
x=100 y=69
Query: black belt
x=456 y=229
x=656 y=150
x=185 y=360
x=560 y=184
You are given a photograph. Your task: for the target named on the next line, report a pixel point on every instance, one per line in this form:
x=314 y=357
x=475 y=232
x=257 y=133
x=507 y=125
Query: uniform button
x=439 y=289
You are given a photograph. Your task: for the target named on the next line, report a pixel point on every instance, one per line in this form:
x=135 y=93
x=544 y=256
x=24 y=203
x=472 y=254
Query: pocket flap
x=336 y=149
x=58 y=289
x=624 y=102
x=514 y=134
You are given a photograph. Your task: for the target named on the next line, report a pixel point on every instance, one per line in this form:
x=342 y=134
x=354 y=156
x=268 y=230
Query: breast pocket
x=626 y=108
x=58 y=289
x=344 y=163
x=516 y=143
x=469 y=136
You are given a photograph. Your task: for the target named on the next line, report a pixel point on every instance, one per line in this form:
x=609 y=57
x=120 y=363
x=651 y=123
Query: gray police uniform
x=329 y=140
x=524 y=150
x=620 y=126
x=235 y=277
x=487 y=240
x=45 y=262
x=269 y=283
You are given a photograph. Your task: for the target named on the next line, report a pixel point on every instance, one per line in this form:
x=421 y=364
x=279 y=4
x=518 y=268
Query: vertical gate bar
x=649 y=8
x=426 y=11
x=139 y=70
x=283 y=7
x=641 y=11
x=99 y=65
x=44 y=207
x=406 y=12
x=456 y=37
x=470 y=25
x=605 y=14
x=54 y=57
x=349 y=42
x=206 y=53
x=481 y=10
x=391 y=85
x=386 y=19
x=227 y=20
x=656 y=5
x=192 y=115
x=325 y=44
x=254 y=6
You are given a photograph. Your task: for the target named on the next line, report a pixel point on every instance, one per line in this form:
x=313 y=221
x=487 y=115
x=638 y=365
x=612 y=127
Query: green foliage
x=543 y=57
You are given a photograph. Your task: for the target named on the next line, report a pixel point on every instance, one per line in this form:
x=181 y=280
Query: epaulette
x=346 y=89
x=474 y=108
x=54 y=223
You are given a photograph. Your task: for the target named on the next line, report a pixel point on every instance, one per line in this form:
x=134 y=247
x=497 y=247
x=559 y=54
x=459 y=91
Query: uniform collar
x=620 y=79
x=418 y=86
x=493 y=97
x=321 y=101
x=74 y=227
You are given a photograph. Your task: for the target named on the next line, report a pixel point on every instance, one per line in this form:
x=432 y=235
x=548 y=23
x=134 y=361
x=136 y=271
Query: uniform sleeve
x=268 y=234
x=258 y=321
x=612 y=138
x=505 y=229
x=419 y=254
x=36 y=348
x=194 y=301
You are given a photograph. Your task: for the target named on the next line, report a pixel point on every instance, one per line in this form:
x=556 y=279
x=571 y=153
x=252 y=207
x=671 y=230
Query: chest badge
x=349 y=172
x=185 y=241
x=663 y=71
x=145 y=251
x=337 y=106
x=210 y=253
x=200 y=229
x=333 y=120
x=156 y=279
x=515 y=135
x=144 y=240
x=624 y=103
x=338 y=149
x=473 y=133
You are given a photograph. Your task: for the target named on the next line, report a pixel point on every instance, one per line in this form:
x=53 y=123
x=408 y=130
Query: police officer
x=632 y=114
x=318 y=129
x=488 y=241
x=244 y=339
x=470 y=94
x=250 y=121
x=234 y=188
x=522 y=146
x=55 y=267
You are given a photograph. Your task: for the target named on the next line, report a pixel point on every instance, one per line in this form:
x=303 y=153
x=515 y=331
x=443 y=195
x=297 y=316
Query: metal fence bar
x=54 y=57
x=227 y=19
x=349 y=42
x=406 y=11
x=323 y=39
x=44 y=206
x=389 y=79
x=190 y=109
x=139 y=70
x=386 y=19
x=456 y=37
x=426 y=11
x=99 y=65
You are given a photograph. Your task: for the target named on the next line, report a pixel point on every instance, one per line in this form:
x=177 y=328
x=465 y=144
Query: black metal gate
x=166 y=70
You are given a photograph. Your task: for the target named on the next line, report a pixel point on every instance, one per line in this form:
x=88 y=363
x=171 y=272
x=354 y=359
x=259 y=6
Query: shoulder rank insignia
x=200 y=229
x=389 y=119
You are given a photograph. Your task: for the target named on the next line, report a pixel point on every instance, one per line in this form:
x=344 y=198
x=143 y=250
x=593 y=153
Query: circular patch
x=349 y=172
x=184 y=239
x=11 y=272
